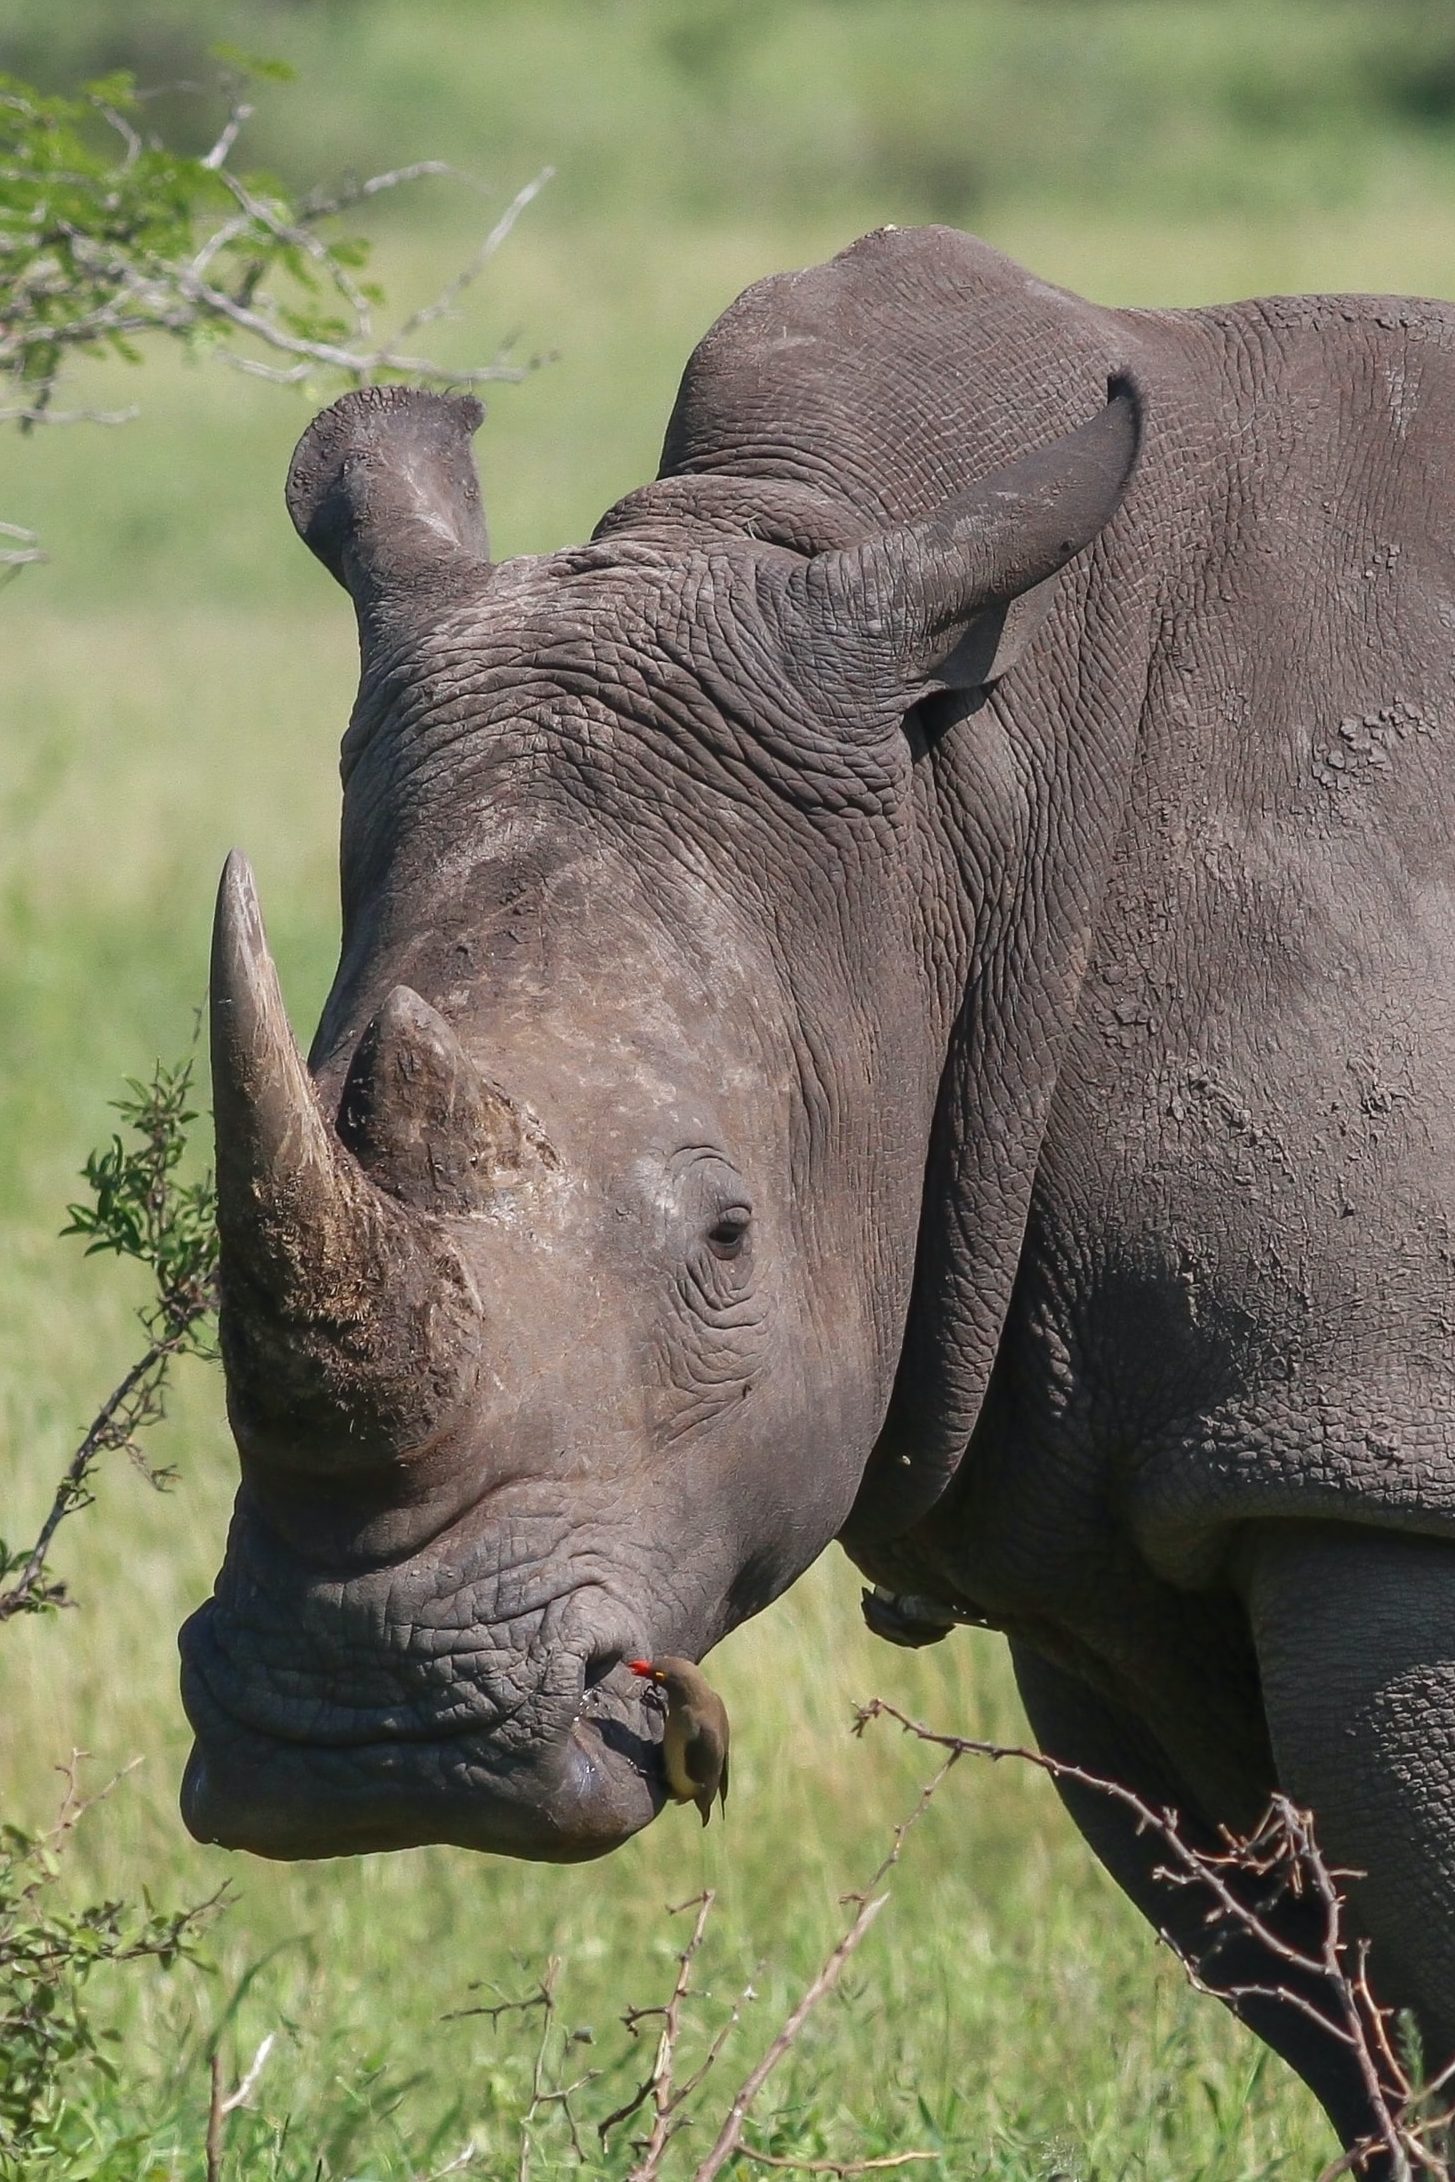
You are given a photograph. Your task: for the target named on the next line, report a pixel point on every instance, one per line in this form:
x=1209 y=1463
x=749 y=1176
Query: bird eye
x=728 y=1235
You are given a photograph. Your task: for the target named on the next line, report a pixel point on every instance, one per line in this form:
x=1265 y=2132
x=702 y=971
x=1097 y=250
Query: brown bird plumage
x=695 y=1739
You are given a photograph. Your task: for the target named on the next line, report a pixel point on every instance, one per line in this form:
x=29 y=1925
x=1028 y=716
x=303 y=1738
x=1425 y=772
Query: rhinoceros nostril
x=600 y=1664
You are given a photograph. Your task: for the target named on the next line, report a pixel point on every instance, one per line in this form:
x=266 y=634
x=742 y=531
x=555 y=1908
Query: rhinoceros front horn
x=349 y=1327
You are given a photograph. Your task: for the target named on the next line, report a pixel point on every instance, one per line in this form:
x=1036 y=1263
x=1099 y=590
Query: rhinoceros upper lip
x=601 y=1783
x=301 y=1725
x=384 y=1725
x=575 y=1790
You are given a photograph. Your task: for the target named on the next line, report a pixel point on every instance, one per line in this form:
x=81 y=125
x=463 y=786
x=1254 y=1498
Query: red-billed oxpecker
x=695 y=1740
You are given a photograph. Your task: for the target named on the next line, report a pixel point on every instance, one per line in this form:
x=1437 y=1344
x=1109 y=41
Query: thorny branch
x=1410 y=2122
x=658 y=2085
x=540 y=1998
x=670 y=2099
x=729 y=2136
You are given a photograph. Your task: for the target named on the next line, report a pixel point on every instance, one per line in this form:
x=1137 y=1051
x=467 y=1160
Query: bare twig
x=249 y=2084
x=74 y=1805
x=453 y=289
x=214 y=2121
x=24 y=552
x=1346 y=2163
x=220 y=2104
x=832 y=2166
x=457 y=2165
x=216 y=159
x=131 y=142
x=317 y=206
x=547 y=1997
x=73 y=1808
x=721 y=2036
x=28 y=414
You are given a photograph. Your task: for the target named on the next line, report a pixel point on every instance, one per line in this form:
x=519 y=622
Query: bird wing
x=705 y=1758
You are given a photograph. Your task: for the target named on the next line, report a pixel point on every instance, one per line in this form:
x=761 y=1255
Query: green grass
x=176 y=681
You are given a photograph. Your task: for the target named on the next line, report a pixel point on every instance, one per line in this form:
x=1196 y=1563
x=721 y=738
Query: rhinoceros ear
x=383 y=489
x=949 y=602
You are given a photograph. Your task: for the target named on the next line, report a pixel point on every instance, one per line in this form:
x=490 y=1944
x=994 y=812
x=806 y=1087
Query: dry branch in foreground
x=1412 y=2119
x=670 y=2099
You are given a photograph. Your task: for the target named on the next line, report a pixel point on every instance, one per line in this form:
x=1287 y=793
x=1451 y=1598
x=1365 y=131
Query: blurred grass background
x=176 y=680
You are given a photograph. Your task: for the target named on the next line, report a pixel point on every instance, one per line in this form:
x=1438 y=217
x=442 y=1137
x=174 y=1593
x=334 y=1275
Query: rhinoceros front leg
x=1071 y=1721
x=1355 y=1633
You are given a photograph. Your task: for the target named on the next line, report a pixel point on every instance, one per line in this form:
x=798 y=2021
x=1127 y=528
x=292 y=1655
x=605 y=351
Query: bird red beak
x=640 y=1666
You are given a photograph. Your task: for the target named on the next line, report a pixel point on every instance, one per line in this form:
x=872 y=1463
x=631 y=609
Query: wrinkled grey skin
x=896 y=997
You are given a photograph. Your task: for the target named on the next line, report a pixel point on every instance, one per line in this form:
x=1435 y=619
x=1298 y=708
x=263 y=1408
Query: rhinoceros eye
x=728 y=1235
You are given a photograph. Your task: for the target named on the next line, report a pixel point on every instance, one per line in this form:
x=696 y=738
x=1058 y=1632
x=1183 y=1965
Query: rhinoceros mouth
x=533 y=1782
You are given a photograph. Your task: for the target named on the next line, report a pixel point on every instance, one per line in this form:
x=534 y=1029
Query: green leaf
x=117 y=89
x=268 y=70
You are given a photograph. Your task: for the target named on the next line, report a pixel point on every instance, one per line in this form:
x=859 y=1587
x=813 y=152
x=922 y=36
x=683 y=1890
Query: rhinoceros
x=902 y=994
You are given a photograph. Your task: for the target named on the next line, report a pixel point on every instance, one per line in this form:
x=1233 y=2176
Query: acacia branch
x=542 y=2092
x=360 y=365
x=669 y=2099
x=102 y=252
x=453 y=289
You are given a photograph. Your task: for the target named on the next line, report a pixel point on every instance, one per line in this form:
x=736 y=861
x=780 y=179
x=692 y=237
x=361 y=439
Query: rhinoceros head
x=564 y=1285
